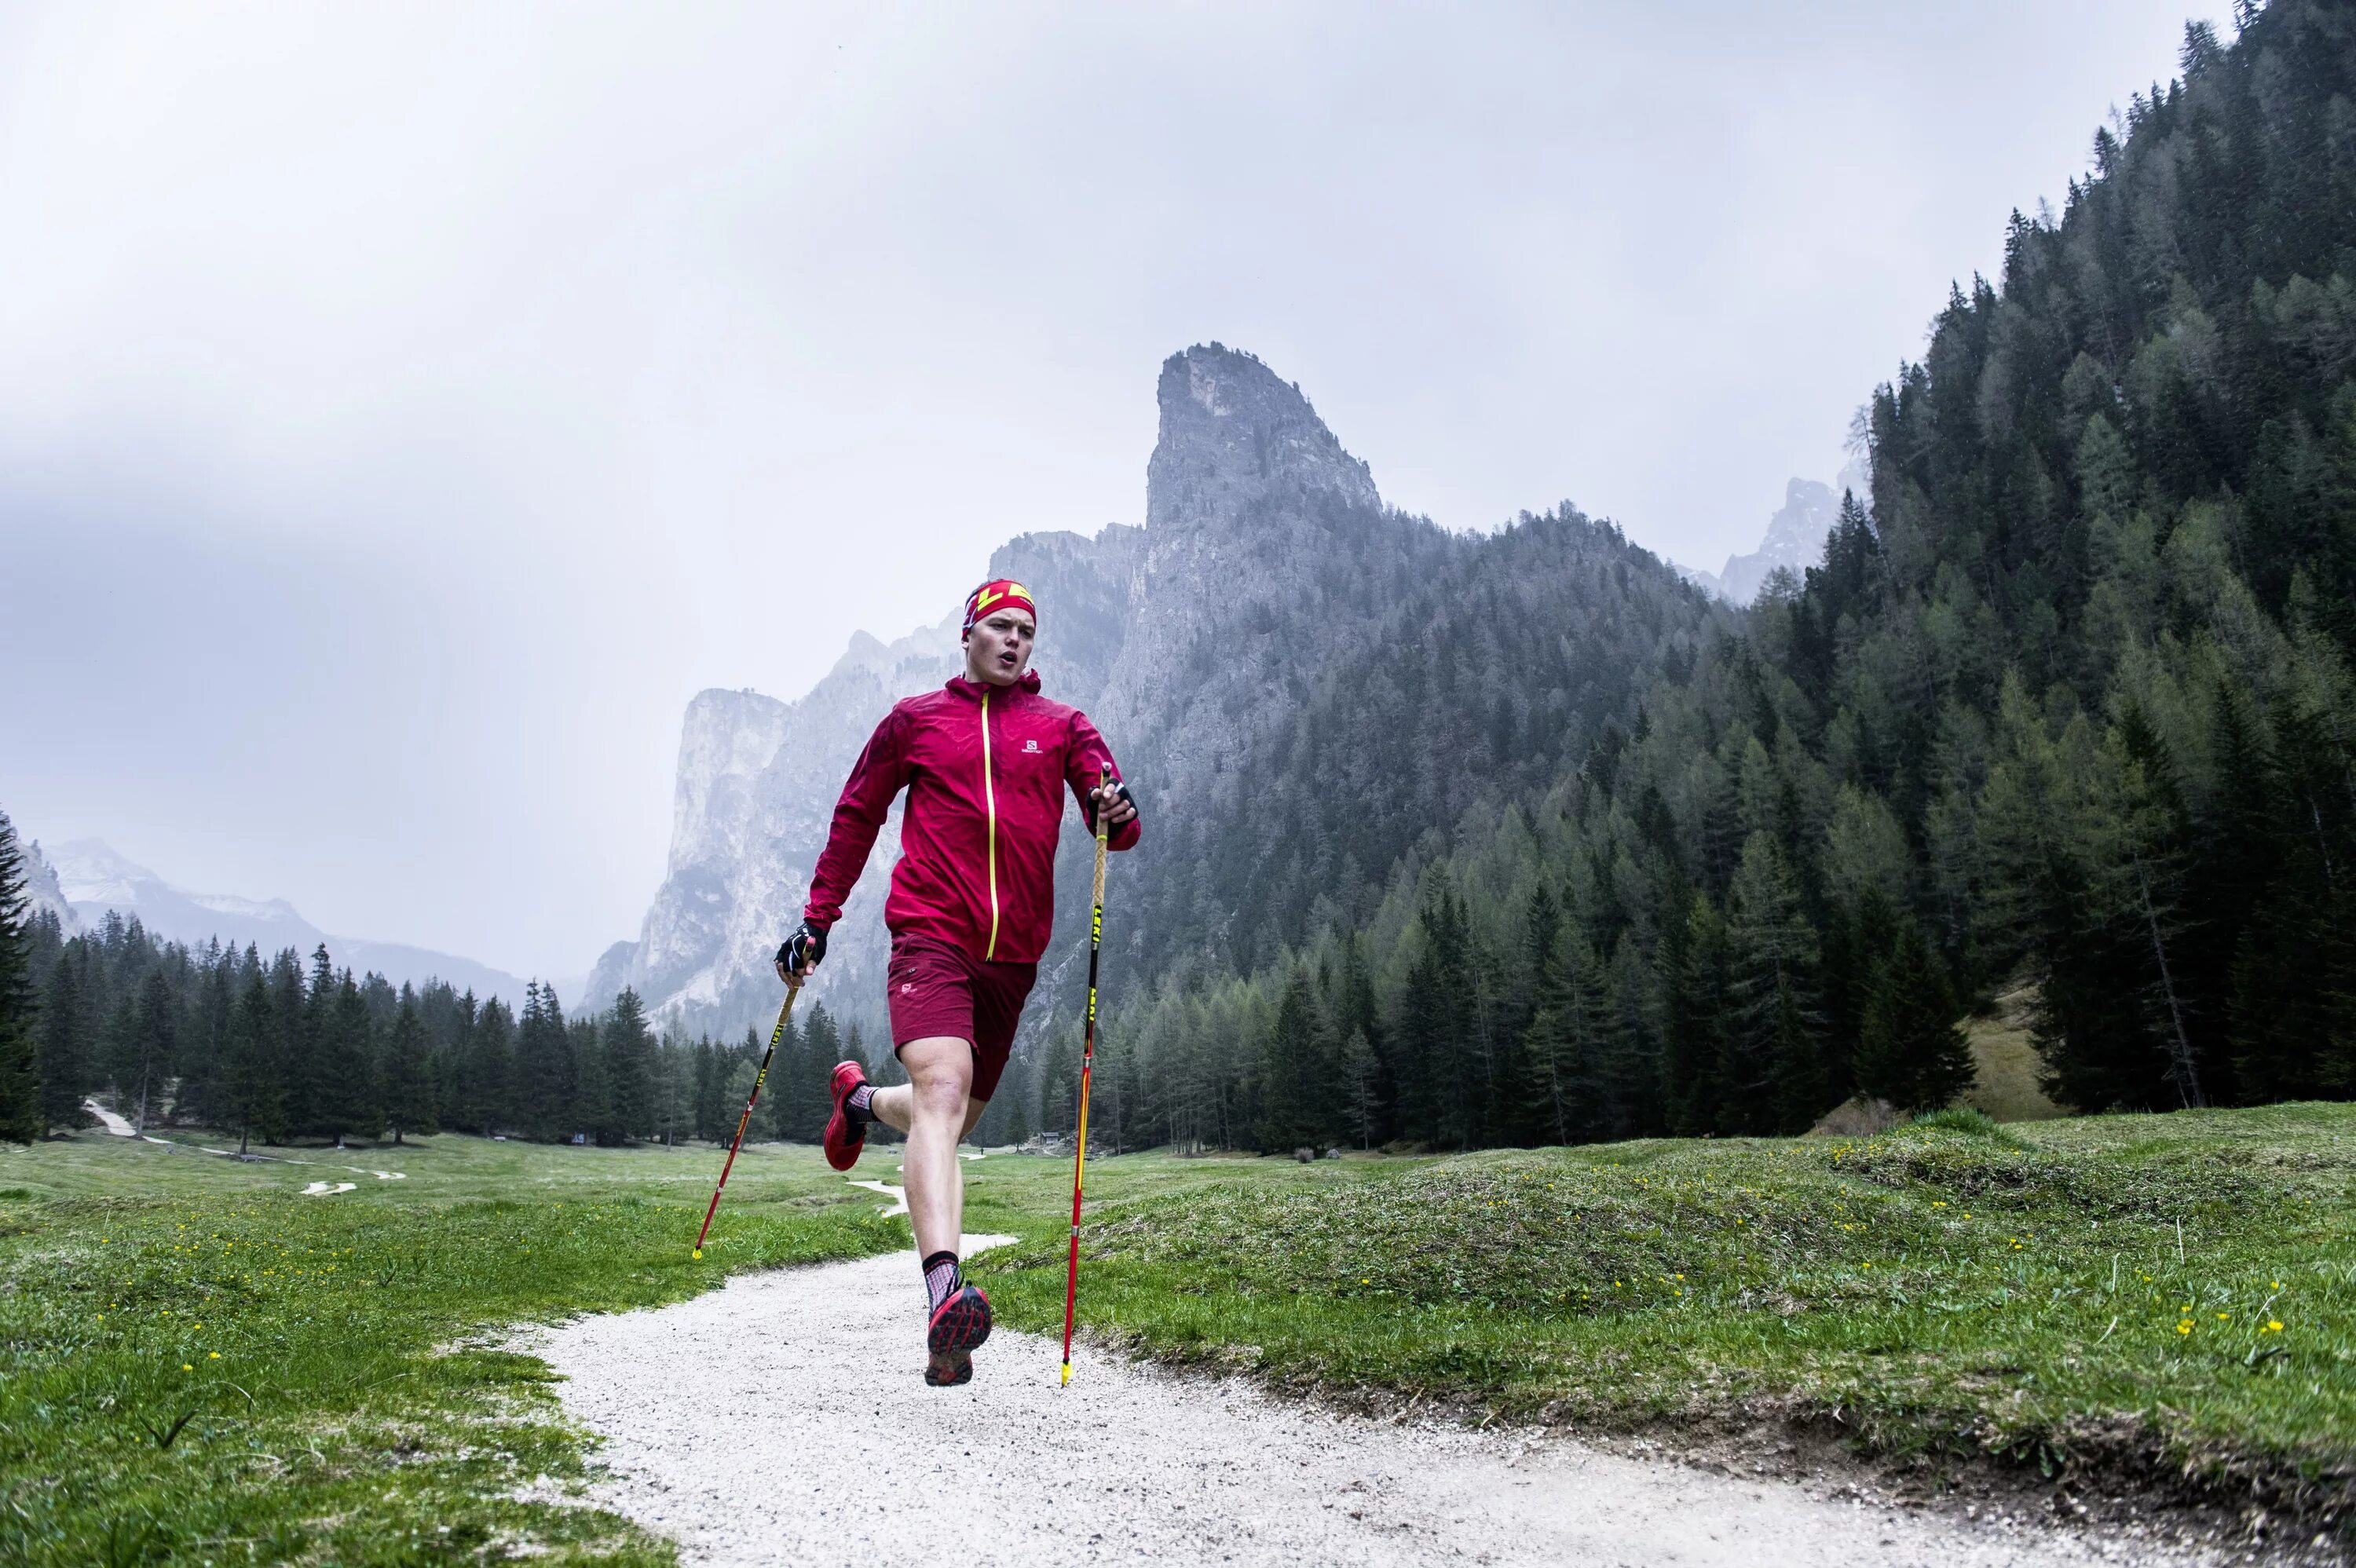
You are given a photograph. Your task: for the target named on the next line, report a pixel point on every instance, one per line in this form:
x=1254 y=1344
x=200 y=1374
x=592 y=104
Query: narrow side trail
x=784 y=1419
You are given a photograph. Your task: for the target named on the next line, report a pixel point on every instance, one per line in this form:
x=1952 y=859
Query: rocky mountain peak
x=1232 y=434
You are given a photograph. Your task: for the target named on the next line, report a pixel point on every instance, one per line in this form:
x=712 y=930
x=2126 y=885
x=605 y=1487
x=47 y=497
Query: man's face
x=998 y=650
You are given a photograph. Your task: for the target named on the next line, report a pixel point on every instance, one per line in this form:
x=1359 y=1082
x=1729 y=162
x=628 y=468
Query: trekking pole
x=1088 y=1058
x=759 y=1078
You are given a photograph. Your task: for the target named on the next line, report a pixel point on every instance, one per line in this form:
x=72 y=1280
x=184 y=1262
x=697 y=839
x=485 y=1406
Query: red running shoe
x=845 y=1138
x=959 y=1324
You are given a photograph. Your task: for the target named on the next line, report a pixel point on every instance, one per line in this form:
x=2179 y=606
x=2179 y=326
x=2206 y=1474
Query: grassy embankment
x=197 y=1361
x=2158 y=1296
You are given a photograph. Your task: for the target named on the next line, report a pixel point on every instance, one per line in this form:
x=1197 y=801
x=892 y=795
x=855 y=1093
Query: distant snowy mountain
x=89 y=878
x=1795 y=541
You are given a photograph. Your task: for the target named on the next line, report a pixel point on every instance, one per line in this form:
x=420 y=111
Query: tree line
x=280 y=1049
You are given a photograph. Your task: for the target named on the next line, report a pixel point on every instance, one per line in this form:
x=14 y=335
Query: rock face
x=1246 y=494
x=42 y=891
x=1298 y=681
x=1795 y=542
x=1795 y=536
x=1164 y=634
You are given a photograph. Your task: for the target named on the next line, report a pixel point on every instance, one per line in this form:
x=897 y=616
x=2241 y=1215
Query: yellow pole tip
x=698 y=1252
x=1067 y=1374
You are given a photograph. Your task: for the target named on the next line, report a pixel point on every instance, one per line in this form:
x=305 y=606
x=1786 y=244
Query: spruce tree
x=806 y=1102
x=408 y=1074
x=1911 y=1050
x=495 y=1070
x=593 y=1084
x=66 y=1040
x=1773 y=1051
x=1296 y=1067
x=630 y=1060
x=256 y=1101
x=21 y=1117
x=151 y=1029
x=1362 y=1107
x=1694 y=1021
x=349 y=1102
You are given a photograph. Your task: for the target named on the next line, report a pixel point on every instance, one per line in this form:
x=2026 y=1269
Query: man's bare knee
x=939 y=1101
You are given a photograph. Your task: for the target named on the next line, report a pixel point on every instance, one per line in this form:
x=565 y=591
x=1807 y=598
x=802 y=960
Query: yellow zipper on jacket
x=989 y=810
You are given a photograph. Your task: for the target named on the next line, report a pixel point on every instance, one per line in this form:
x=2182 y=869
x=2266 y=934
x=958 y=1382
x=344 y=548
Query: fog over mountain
x=84 y=879
x=410 y=409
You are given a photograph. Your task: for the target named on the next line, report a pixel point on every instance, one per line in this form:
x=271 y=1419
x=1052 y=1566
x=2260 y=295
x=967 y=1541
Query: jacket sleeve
x=1082 y=758
x=881 y=773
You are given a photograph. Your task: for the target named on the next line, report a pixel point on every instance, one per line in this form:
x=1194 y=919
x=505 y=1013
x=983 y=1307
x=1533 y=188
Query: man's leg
x=933 y=1109
x=936 y=1110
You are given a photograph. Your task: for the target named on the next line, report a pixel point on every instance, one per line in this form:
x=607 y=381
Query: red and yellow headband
x=1002 y=593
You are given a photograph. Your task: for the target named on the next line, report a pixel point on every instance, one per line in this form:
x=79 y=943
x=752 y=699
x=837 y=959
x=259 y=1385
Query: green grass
x=1952 y=1287
x=202 y=1366
x=198 y=1364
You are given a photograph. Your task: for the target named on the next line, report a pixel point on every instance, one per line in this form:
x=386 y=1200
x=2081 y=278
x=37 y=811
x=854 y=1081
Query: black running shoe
x=949 y=1369
x=960 y=1324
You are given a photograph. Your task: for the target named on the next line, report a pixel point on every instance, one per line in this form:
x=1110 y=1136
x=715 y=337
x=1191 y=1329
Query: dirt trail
x=783 y=1419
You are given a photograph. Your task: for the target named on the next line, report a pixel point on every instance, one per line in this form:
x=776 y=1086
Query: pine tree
x=1911 y=1050
x=150 y=1028
x=1694 y=1017
x=1296 y=1067
x=1773 y=1057
x=349 y=1103
x=21 y=1116
x=66 y=1038
x=1361 y=1107
x=408 y=1074
x=545 y=1072
x=630 y=1058
x=285 y=1054
x=592 y=1113
x=494 y=1071
x=256 y=1089
x=806 y=1102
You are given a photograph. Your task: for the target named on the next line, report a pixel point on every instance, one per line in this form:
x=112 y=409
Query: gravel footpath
x=783 y=1419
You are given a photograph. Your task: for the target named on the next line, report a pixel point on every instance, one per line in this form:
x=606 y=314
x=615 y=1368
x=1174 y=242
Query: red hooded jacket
x=985 y=768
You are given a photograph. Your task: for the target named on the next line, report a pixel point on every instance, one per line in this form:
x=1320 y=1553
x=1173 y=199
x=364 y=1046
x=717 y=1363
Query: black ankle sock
x=856 y=1106
x=942 y=1279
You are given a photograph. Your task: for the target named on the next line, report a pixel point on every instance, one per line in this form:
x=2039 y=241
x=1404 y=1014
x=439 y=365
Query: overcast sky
x=401 y=416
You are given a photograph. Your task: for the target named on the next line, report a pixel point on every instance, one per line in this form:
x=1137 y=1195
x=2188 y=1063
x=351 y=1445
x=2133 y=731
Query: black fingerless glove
x=1119 y=789
x=802 y=950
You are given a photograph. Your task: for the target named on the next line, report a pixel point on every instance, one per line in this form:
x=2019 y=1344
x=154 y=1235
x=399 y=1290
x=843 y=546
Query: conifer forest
x=2067 y=712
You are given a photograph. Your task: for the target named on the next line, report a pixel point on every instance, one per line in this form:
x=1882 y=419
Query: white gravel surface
x=784 y=1419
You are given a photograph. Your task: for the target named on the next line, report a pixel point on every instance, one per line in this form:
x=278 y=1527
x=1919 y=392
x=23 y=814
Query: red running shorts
x=938 y=988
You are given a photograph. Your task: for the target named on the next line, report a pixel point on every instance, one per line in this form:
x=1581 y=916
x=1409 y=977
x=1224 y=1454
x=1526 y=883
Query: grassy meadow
x=203 y=1366
x=2130 y=1298
x=199 y=1364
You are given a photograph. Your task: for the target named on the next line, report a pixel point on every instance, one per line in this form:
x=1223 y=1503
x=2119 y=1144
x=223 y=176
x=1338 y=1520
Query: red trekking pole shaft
x=759 y=1078
x=1087 y=1062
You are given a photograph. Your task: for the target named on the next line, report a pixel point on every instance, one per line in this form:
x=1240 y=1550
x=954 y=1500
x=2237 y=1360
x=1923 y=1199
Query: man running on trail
x=985 y=762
